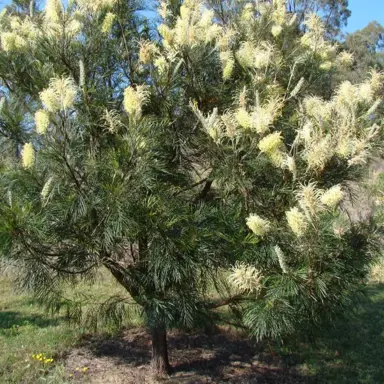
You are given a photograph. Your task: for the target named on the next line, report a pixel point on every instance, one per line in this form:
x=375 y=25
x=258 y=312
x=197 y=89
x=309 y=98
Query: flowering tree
x=207 y=156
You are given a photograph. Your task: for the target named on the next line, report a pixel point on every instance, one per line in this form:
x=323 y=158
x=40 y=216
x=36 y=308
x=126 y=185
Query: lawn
x=352 y=352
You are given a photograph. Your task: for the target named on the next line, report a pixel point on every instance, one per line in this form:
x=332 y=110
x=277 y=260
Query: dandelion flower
x=296 y=221
x=258 y=225
x=28 y=156
x=333 y=196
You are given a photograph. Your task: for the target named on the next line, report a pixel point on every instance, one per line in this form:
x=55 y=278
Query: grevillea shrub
x=203 y=161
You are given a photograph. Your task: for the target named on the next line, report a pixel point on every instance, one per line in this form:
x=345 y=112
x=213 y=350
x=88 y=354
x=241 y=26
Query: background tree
x=334 y=13
x=198 y=168
x=367 y=47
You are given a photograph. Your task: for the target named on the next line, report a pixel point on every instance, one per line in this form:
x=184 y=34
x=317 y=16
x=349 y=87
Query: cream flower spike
x=258 y=225
x=245 y=277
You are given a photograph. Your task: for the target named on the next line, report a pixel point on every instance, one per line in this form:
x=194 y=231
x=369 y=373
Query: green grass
x=351 y=352
x=26 y=329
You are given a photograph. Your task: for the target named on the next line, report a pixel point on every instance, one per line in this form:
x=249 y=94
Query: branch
x=203 y=194
x=190 y=187
x=227 y=301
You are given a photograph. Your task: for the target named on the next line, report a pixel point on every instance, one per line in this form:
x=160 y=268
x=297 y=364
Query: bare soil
x=219 y=357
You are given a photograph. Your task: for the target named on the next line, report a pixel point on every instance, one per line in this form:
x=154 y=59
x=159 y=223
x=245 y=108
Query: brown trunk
x=160 y=363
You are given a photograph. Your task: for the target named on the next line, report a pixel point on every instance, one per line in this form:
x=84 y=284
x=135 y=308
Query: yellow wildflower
x=291 y=164
x=229 y=123
x=262 y=56
x=167 y=34
x=277 y=158
x=112 y=120
x=95 y=5
x=346 y=93
x=319 y=152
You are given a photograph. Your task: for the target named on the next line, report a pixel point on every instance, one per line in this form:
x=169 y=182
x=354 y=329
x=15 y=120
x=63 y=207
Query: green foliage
x=151 y=151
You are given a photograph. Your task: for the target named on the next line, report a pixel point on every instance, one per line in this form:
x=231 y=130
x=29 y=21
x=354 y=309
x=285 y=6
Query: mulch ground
x=221 y=357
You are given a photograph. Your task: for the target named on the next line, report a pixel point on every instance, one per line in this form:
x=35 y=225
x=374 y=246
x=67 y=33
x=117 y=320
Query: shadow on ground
x=352 y=352
x=13 y=319
x=222 y=357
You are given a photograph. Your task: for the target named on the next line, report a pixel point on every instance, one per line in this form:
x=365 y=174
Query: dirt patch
x=222 y=357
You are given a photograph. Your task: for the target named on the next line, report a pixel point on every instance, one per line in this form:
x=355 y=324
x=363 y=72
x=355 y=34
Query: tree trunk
x=160 y=363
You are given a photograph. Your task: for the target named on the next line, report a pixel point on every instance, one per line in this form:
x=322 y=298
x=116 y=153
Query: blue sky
x=363 y=11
